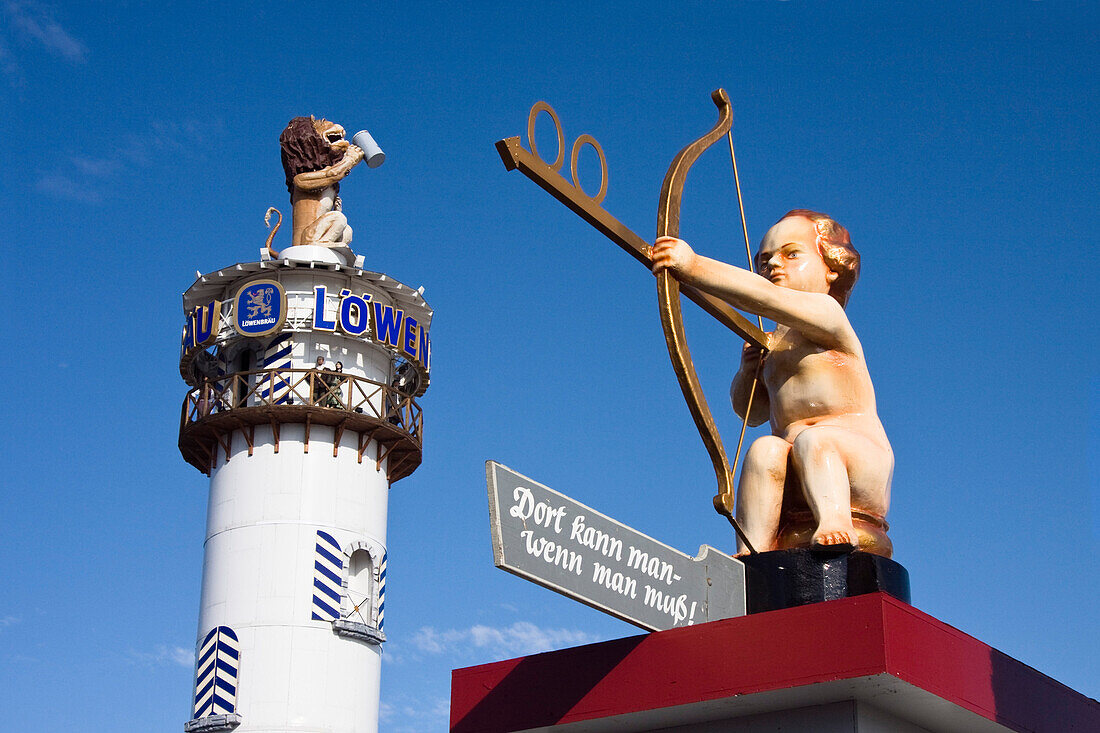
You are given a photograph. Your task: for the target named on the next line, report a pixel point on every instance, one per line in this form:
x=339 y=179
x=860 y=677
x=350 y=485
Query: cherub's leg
x=760 y=493
x=840 y=470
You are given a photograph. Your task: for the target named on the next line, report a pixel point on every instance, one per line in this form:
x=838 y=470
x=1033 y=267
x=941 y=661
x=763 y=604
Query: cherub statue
x=823 y=476
x=315 y=158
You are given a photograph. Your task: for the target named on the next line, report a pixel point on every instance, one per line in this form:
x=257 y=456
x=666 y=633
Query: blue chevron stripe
x=382 y=590
x=216 y=673
x=329 y=539
x=338 y=562
x=222 y=364
x=276 y=356
x=328 y=565
x=279 y=381
x=279 y=385
x=205 y=656
x=334 y=595
x=327 y=573
x=277 y=349
x=202 y=693
x=331 y=613
x=280 y=354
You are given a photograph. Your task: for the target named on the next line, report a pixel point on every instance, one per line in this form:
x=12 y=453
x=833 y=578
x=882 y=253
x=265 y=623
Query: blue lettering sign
x=387 y=324
x=207 y=320
x=424 y=350
x=409 y=334
x=189 y=332
x=319 y=321
x=354 y=315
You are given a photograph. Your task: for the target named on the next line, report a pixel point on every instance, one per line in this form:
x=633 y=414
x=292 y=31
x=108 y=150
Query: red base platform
x=871 y=660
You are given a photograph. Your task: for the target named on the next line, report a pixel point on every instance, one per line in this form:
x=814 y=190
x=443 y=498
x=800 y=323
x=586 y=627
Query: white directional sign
x=570 y=548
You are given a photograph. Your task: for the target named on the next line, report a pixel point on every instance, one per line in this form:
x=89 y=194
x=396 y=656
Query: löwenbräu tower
x=304 y=369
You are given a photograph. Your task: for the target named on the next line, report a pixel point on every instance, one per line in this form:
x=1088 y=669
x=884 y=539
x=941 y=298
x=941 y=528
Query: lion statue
x=315 y=158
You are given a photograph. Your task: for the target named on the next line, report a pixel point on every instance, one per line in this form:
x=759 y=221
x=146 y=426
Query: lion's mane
x=305 y=150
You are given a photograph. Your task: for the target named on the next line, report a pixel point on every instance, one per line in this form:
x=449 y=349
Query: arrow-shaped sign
x=561 y=544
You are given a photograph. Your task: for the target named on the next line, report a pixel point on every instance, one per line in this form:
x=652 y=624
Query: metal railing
x=336 y=391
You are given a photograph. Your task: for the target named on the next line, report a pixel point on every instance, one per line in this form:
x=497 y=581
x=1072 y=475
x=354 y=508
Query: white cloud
x=92 y=179
x=182 y=657
x=164 y=654
x=192 y=137
x=7 y=63
x=65 y=187
x=97 y=167
x=519 y=639
x=6 y=621
x=35 y=23
x=82 y=181
x=416 y=717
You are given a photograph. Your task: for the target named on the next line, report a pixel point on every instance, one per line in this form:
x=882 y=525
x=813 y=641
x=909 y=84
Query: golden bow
x=672 y=320
x=669 y=289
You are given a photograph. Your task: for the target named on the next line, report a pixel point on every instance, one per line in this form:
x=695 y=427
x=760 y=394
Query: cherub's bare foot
x=827 y=537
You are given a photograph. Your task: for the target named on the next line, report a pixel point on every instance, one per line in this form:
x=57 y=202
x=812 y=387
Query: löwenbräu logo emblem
x=259 y=308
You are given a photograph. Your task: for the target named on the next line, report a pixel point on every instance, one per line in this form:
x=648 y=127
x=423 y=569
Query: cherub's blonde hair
x=836 y=248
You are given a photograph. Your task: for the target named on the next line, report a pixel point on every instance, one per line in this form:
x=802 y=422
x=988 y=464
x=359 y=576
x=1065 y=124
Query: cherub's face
x=790 y=258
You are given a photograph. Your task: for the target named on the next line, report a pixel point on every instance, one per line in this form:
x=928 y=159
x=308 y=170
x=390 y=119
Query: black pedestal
x=787 y=578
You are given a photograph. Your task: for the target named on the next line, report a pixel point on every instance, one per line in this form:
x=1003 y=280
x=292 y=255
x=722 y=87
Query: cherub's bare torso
x=809 y=385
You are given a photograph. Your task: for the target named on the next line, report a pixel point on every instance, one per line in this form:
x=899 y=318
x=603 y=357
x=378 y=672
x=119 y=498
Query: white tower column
x=300 y=459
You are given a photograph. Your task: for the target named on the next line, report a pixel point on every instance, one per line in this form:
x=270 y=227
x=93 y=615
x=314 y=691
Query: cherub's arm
x=317 y=180
x=816 y=315
x=742 y=386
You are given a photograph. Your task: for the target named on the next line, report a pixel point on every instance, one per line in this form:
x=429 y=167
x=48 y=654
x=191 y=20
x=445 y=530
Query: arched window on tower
x=360 y=605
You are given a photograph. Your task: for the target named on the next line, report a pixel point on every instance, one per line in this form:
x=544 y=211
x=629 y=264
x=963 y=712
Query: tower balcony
x=236 y=403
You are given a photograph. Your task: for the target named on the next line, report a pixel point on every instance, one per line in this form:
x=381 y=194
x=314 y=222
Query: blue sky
x=957 y=142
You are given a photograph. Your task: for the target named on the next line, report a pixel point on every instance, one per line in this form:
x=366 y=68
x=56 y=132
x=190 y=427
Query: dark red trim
x=845 y=639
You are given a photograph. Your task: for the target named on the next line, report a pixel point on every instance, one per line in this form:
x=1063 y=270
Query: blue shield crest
x=260 y=308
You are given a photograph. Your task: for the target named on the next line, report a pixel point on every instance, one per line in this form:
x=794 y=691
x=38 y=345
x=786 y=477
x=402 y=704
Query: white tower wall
x=264 y=515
